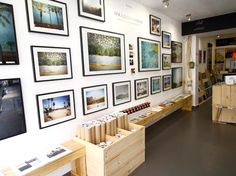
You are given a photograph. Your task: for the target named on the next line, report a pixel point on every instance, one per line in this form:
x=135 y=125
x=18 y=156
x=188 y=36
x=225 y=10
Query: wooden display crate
x=121 y=158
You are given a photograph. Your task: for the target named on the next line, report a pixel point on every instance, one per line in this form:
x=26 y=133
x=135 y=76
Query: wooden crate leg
x=79 y=168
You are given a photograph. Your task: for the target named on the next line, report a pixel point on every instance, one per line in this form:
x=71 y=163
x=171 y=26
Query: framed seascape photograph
x=141 y=88
x=8 y=43
x=177 y=77
x=121 y=92
x=55 y=108
x=155 y=25
x=103 y=52
x=166 y=61
x=94 y=98
x=149 y=55
x=51 y=63
x=47 y=16
x=155 y=84
x=176 y=52
x=93 y=9
x=12 y=117
x=166 y=82
x=166 y=39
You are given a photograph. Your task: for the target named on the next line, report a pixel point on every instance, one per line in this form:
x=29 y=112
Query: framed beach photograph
x=166 y=61
x=141 y=88
x=94 y=98
x=176 y=52
x=155 y=25
x=166 y=82
x=177 y=77
x=47 y=16
x=55 y=108
x=103 y=52
x=93 y=9
x=155 y=84
x=51 y=63
x=8 y=43
x=166 y=40
x=149 y=55
x=12 y=116
x=121 y=92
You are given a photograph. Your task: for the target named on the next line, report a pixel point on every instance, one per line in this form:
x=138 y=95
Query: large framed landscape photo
x=47 y=16
x=121 y=92
x=55 y=108
x=51 y=63
x=149 y=55
x=141 y=88
x=12 y=117
x=93 y=9
x=103 y=52
x=166 y=82
x=177 y=77
x=8 y=43
x=94 y=98
x=155 y=84
x=176 y=52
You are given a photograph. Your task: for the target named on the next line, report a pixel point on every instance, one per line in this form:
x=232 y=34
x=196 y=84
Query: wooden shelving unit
x=204 y=87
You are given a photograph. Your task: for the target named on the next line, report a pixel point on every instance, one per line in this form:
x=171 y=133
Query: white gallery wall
x=122 y=16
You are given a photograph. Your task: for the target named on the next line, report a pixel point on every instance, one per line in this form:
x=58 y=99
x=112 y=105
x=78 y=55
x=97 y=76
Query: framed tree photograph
x=103 y=52
x=93 y=9
x=166 y=40
x=55 y=108
x=47 y=16
x=51 y=63
x=121 y=92
x=149 y=55
x=166 y=82
x=8 y=43
x=12 y=116
x=155 y=25
x=155 y=84
x=141 y=88
x=177 y=77
x=166 y=61
x=176 y=52
x=94 y=98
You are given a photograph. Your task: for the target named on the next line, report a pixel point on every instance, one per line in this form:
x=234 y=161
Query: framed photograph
x=94 y=98
x=166 y=61
x=155 y=84
x=103 y=52
x=155 y=25
x=166 y=82
x=93 y=9
x=51 y=63
x=121 y=92
x=141 y=88
x=166 y=39
x=47 y=16
x=204 y=56
x=8 y=43
x=177 y=75
x=200 y=56
x=149 y=55
x=176 y=52
x=55 y=108
x=12 y=117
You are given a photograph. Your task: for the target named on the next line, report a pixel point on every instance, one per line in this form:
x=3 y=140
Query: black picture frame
x=155 y=25
x=176 y=52
x=154 y=89
x=177 y=77
x=139 y=94
x=166 y=61
x=166 y=84
x=8 y=46
x=125 y=98
x=166 y=40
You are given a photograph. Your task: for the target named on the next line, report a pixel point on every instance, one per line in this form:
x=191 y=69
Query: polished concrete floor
x=189 y=144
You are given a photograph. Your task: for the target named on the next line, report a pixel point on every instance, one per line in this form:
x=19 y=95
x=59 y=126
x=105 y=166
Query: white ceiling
x=178 y=9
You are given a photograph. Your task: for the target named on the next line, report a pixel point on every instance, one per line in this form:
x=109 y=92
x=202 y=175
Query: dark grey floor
x=189 y=144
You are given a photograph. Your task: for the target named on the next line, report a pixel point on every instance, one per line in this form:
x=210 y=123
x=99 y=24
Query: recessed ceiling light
x=166 y=3
x=188 y=16
x=218 y=36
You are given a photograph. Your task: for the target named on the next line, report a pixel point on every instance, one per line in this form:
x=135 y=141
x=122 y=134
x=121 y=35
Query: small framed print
x=55 y=108
x=177 y=77
x=166 y=61
x=176 y=52
x=51 y=63
x=141 y=88
x=155 y=84
x=166 y=82
x=94 y=98
x=93 y=9
x=121 y=92
x=47 y=16
x=155 y=25
x=166 y=40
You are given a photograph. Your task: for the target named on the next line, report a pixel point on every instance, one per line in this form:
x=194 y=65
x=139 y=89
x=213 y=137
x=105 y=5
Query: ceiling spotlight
x=166 y=3
x=188 y=16
x=218 y=36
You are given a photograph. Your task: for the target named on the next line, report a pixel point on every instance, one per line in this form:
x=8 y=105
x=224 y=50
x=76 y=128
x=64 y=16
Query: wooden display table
x=77 y=156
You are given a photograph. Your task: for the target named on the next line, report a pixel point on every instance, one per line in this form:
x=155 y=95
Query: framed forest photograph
x=177 y=77
x=47 y=16
x=141 y=88
x=166 y=40
x=121 y=92
x=155 y=25
x=166 y=82
x=103 y=52
x=155 y=84
x=166 y=61
x=176 y=52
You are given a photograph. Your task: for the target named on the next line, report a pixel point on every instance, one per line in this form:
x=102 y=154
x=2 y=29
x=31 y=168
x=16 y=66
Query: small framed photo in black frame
x=121 y=92
x=177 y=77
x=166 y=81
x=155 y=84
x=155 y=25
x=166 y=40
x=166 y=61
x=176 y=52
x=141 y=88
